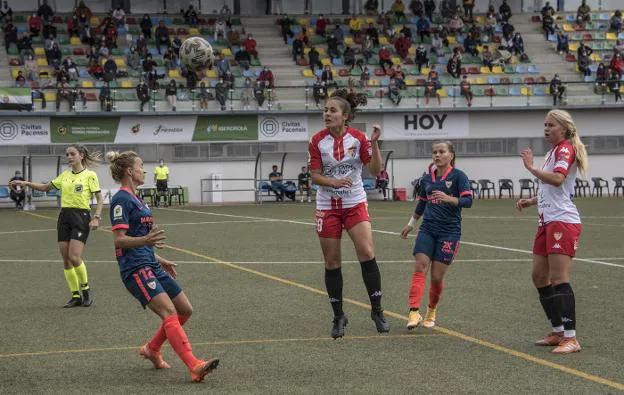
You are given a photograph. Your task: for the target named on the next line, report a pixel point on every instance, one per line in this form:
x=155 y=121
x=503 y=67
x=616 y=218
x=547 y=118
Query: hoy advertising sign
x=424 y=126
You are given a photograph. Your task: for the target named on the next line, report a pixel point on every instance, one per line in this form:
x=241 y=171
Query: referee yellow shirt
x=161 y=173
x=76 y=188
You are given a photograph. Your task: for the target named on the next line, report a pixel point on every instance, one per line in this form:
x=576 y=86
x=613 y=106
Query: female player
x=559 y=228
x=443 y=194
x=337 y=155
x=74 y=222
x=149 y=277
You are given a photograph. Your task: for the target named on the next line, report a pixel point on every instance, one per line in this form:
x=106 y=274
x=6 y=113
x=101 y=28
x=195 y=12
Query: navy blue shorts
x=438 y=247
x=145 y=283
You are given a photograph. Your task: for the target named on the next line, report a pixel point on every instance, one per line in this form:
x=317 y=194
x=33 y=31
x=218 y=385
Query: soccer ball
x=196 y=53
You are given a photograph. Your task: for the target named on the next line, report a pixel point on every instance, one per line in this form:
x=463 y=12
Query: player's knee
x=74 y=259
x=540 y=280
x=437 y=279
x=186 y=310
x=333 y=264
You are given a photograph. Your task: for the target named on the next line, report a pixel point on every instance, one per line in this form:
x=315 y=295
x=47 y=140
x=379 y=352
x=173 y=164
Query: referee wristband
x=412 y=222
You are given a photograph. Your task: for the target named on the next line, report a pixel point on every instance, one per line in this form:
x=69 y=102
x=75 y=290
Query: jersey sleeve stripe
x=120 y=226
x=561 y=170
x=465 y=193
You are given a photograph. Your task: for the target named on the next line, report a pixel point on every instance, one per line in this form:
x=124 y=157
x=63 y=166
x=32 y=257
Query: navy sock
x=333 y=283
x=548 y=304
x=566 y=305
x=372 y=280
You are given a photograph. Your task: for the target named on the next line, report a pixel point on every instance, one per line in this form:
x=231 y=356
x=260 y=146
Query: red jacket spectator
x=402 y=45
x=250 y=46
x=321 y=25
x=34 y=23
x=111 y=33
x=617 y=63
x=82 y=9
x=266 y=76
x=96 y=71
x=384 y=54
x=73 y=26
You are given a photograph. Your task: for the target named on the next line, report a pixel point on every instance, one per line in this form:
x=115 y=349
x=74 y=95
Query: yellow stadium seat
x=50 y=96
x=308 y=73
x=424 y=71
x=568 y=28
x=42 y=62
x=573 y=47
x=481 y=81
x=212 y=73
x=194 y=31
x=442 y=93
x=15 y=71
x=226 y=52
x=325 y=61
x=348 y=40
x=174 y=73
x=94 y=20
x=304 y=21
x=596 y=58
x=74 y=41
x=39 y=51
x=87 y=84
x=306 y=50
x=412 y=51
x=452 y=40
x=126 y=84
x=622 y=89
x=526 y=92
x=480 y=19
x=484 y=70
x=395 y=60
x=410 y=82
x=383 y=40
x=321 y=51
x=120 y=62
x=611 y=36
x=497 y=70
x=373 y=82
x=371 y=20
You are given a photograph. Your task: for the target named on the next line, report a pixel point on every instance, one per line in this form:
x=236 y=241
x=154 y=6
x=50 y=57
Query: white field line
x=397 y=234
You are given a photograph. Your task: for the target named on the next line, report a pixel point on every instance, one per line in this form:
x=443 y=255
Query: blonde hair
x=565 y=119
x=89 y=159
x=120 y=162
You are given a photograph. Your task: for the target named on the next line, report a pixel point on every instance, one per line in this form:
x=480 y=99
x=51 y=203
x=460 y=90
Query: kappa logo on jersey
x=152 y=285
x=564 y=153
x=117 y=212
x=78 y=188
x=558 y=235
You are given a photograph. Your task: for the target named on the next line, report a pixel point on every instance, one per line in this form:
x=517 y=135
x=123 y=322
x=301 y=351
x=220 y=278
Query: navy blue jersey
x=128 y=211
x=439 y=217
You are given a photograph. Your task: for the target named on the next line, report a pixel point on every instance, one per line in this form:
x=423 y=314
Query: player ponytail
x=565 y=120
x=449 y=146
x=120 y=162
x=349 y=101
x=89 y=159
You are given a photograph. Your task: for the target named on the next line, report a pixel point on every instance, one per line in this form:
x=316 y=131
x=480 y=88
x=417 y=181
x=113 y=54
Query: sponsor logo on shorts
x=558 y=235
x=447 y=247
x=152 y=285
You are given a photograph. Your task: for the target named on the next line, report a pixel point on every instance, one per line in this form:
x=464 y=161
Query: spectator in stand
x=277 y=185
x=546 y=9
x=321 y=25
x=106 y=98
x=142 y=92
x=31 y=68
x=602 y=76
x=20 y=80
x=220 y=29
x=229 y=80
x=304 y=35
x=584 y=50
x=285 y=23
x=475 y=33
x=557 y=90
x=466 y=90
x=25 y=47
x=617 y=64
x=303 y=182
x=382 y=180
x=518 y=44
x=367 y=48
x=447 y=10
x=221 y=92
x=149 y=64
x=88 y=35
x=429 y=6
x=314 y=59
x=583 y=14
x=614 y=85
x=243 y=58
x=423 y=27
x=421 y=59
x=468 y=8
x=204 y=96
x=48 y=30
x=63 y=92
x=190 y=16
x=133 y=60
x=297 y=49
x=34 y=24
x=431 y=90
x=488 y=58
x=453 y=67
x=111 y=35
x=394 y=93
x=470 y=46
x=226 y=15
x=339 y=34
x=73 y=27
x=416 y=6
x=18 y=192
x=563 y=43
x=456 y=24
x=234 y=38
x=176 y=44
x=371 y=7
x=505 y=11
x=332 y=47
x=83 y=12
x=398 y=75
x=384 y=58
x=161 y=34
x=223 y=64
x=152 y=80
x=584 y=61
x=327 y=76
x=110 y=69
x=349 y=58
x=171 y=91
x=437 y=45
x=398 y=8
x=407 y=32
x=146 y=26
x=169 y=58
x=259 y=93
x=119 y=16
x=250 y=46
x=489 y=27
x=6 y=11
x=71 y=68
x=319 y=92
x=355 y=26
x=508 y=30
x=191 y=80
x=247 y=94
x=266 y=77
x=96 y=71
x=615 y=23
x=372 y=33
x=364 y=77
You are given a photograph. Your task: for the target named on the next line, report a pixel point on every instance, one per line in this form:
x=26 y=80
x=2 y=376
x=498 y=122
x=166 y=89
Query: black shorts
x=73 y=224
x=161 y=185
x=304 y=185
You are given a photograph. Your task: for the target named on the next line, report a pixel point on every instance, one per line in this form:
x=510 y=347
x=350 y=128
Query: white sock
x=570 y=333
x=557 y=328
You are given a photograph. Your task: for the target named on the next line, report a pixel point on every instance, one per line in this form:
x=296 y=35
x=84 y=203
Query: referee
x=74 y=222
x=161 y=178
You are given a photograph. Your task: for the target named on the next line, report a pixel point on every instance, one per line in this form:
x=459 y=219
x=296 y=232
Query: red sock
x=178 y=340
x=160 y=336
x=416 y=290
x=435 y=290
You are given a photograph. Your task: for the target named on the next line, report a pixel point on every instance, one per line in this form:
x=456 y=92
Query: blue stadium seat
x=533 y=69
x=368 y=184
x=514 y=91
x=4 y=192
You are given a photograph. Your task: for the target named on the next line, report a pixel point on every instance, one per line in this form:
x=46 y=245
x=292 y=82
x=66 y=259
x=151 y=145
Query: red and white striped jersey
x=555 y=203
x=340 y=158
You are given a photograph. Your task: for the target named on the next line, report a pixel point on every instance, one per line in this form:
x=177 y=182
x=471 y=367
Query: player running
x=77 y=185
x=149 y=277
x=337 y=155
x=443 y=194
x=557 y=237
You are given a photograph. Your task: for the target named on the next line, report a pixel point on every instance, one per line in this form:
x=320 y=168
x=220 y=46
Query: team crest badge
x=558 y=235
x=449 y=184
x=152 y=285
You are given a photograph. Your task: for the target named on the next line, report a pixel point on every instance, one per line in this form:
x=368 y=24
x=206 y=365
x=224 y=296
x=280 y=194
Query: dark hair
x=349 y=101
x=450 y=147
x=89 y=159
x=119 y=162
